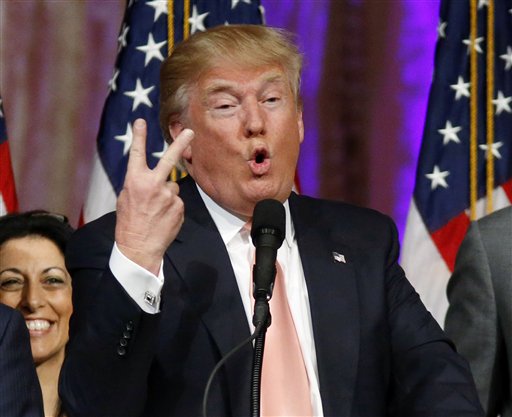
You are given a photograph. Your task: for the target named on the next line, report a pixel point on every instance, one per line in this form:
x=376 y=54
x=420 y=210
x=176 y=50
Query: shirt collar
x=229 y=225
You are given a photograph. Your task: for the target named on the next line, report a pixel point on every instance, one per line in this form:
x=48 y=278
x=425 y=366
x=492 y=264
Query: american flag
x=134 y=89
x=8 y=200
x=465 y=164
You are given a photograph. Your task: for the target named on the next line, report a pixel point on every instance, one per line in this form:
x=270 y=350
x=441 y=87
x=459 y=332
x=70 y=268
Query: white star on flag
x=494 y=149
x=502 y=103
x=461 y=88
x=160 y=154
x=126 y=138
x=441 y=29
x=234 y=3
x=121 y=40
x=197 y=20
x=507 y=58
x=449 y=133
x=152 y=50
x=482 y=3
x=140 y=95
x=134 y=88
x=263 y=16
x=476 y=45
x=112 y=84
x=438 y=178
x=160 y=7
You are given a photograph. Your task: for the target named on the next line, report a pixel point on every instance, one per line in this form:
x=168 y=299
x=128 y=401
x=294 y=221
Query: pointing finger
x=174 y=152
x=137 y=157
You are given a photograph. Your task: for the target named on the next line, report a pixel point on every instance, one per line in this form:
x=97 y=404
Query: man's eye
x=272 y=100
x=223 y=106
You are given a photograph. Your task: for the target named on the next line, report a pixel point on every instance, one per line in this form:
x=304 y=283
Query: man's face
x=248 y=132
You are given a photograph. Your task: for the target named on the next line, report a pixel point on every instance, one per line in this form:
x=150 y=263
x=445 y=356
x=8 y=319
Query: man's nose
x=254 y=119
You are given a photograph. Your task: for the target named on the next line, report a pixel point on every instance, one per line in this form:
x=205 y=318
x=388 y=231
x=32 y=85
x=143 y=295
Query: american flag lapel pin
x=339 y=258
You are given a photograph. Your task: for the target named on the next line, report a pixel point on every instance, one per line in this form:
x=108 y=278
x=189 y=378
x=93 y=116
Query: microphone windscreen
x=268 y=218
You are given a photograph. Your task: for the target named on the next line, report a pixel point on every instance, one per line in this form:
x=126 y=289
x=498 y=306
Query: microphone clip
x=261 y=313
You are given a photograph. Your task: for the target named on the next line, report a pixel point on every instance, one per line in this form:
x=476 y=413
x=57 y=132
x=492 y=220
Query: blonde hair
x=246 y=45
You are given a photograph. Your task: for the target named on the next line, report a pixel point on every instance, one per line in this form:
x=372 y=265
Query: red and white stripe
x=8 y=199
x=429 y=259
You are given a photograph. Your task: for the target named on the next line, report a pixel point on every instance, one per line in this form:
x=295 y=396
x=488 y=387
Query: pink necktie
x=284 y=381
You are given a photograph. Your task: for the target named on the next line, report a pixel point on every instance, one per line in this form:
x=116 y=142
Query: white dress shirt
x=145 y=288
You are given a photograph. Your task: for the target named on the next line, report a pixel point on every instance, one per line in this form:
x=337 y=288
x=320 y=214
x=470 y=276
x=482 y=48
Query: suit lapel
x=201 y=260
x=199 y=257
x=334 y=305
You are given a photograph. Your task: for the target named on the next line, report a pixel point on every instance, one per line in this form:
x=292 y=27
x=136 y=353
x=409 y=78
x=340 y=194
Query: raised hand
x=149 y=210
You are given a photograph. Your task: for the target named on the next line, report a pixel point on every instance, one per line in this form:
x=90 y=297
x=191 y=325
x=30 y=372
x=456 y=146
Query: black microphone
x=267 y=233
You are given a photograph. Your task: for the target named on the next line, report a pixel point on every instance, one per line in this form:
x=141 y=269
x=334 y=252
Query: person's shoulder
x=493 y=230
x=103 y=225
x=94 y=239
x=7 y=315
x=498 y=218
x=339 y=208
x=343 y=217
x=5 y=309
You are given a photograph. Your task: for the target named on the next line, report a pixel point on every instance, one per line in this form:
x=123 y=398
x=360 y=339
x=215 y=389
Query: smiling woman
x=34 y=280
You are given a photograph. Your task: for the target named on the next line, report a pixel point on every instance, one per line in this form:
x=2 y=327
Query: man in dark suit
x=161 y=288
x=20 y=394
x=479 y=318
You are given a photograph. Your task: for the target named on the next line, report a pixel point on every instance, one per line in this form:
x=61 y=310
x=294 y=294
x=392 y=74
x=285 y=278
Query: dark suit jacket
x=20 y=394
x=379 y=351
x=480 y=314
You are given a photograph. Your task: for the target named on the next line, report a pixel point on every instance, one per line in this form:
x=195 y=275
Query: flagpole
x=473 y=111
x=489 y=106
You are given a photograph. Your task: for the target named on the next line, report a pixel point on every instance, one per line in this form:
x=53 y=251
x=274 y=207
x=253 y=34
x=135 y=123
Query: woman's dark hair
x=52 y=226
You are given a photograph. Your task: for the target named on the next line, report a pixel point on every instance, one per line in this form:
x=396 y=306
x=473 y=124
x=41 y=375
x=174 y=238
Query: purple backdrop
x=414 y=34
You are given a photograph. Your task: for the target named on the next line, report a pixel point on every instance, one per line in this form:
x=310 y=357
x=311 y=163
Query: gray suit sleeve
x=472 y=320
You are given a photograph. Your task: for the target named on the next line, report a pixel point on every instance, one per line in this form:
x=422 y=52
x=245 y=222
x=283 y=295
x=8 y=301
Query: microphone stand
x=267 y=233
x=261 y=315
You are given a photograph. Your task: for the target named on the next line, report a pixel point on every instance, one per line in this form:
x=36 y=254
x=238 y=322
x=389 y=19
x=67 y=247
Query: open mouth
x=37 y=325
x=260 y=155
x=260 y=162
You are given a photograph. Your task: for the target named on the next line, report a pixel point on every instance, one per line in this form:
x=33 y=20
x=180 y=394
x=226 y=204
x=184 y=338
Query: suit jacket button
x=123 y=342
x=127 y=334
x=129 y=326
x=121 y=351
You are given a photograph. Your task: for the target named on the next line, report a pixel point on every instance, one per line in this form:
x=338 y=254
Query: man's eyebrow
x=275 y=79
x=219 y=86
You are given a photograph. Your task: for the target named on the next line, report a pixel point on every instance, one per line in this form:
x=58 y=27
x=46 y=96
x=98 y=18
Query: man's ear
x=175 y=128
x=300 y=123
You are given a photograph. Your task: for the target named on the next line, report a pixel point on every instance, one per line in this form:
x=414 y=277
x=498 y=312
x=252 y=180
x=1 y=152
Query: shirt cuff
x=140 y=284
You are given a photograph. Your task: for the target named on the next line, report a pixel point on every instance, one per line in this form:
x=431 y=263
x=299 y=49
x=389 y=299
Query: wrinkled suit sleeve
x=112 y=341
x=472 y=320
